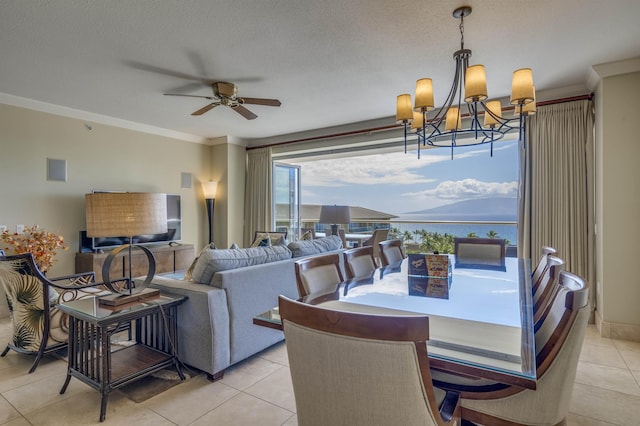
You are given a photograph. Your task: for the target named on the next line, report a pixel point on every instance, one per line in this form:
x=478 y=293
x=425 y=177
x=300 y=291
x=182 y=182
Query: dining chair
x=391 y=253
x=343 y=237
x=480 y=252
x=38 y=326
x=547 y=287
x=558 y=341
x=359 y=263
x=377 y=236
x=542 y=265
x=362 y=369
x=318 y=274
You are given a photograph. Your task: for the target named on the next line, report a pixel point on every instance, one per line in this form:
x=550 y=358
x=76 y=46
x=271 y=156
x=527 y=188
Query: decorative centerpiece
x=41 y=244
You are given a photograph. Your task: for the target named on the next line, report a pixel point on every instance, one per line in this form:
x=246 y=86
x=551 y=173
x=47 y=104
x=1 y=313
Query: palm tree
x=407 y=236
x=492 y=234
x=472 y=235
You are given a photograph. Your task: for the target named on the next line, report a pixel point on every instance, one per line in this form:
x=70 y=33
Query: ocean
x=507 y=231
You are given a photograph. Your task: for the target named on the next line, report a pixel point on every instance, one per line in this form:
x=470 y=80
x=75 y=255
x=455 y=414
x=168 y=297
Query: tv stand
x=169 y=259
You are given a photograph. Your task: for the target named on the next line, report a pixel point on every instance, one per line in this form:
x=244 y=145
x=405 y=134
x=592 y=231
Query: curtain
x=257 y=202
x=556 y=197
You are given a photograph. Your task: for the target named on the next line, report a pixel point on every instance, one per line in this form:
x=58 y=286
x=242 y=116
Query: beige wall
x=618 y=205
x=228 y=168
x=104 y=158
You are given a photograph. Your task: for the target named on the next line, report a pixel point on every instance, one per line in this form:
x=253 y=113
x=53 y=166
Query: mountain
x=498 y=207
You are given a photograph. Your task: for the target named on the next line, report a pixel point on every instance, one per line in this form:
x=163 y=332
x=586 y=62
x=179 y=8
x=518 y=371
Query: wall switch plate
x=3 y=228
x=19 y=229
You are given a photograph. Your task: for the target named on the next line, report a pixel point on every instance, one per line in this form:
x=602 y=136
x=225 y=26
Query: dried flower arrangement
x=41 y=244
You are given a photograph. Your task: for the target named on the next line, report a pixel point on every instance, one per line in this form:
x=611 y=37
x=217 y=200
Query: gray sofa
x=215 y=324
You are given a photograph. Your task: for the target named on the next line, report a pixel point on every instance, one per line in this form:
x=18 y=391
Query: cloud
x=392 y=168
x=468 y=189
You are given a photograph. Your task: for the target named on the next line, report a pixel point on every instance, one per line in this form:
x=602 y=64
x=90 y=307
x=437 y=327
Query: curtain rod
x=588 y=96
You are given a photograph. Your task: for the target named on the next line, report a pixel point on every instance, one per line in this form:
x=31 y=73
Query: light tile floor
x=258 y=391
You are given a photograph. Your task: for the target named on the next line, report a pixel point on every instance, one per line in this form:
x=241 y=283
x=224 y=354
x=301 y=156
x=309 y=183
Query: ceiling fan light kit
x=225 y=93
x=445 y=128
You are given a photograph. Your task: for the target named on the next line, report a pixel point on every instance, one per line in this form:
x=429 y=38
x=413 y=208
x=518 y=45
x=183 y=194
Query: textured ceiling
x=330 y=62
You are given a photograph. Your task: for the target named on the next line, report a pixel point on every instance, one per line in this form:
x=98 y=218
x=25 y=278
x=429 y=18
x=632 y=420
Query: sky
x=399 y=183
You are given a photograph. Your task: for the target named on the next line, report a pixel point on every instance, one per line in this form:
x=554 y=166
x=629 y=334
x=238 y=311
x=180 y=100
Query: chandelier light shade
x=424 y=95
x=444 y=126
x=522 y=90
x=475 y=84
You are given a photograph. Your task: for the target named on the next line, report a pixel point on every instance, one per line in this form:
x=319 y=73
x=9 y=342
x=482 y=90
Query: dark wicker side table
x=91 y=358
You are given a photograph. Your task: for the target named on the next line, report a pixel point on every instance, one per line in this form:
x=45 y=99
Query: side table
x=91 y=358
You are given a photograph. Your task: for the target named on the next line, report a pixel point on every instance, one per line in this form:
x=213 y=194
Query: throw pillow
x=320 y=245
x=234 y=246
x=307 y=236
x=188 y=276
x=262 y=240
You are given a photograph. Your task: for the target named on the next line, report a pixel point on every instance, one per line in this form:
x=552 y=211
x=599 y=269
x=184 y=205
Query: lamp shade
x=496 y=109
x=452 y=120
x=424 y=95
x=404 y=112
x=335 y=215
x=125 y=214
x=522 y=91
x=475 y=84
x=210 y=188
x=418 y=121
x=527 y=109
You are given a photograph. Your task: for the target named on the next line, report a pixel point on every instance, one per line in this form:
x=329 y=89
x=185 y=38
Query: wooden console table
x=169 y=258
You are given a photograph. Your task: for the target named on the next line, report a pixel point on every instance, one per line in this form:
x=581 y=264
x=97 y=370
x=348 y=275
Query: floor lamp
x=335 y=215
x=126 y=214
x=210 y=188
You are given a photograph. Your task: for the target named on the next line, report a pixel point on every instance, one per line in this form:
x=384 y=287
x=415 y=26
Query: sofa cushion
x=211 y=261
x=310 y=247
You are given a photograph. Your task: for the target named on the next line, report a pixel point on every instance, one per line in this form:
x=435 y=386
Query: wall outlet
x=19 y=229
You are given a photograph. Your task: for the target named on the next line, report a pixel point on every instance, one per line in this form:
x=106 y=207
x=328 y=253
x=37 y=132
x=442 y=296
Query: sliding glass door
x=286 y=199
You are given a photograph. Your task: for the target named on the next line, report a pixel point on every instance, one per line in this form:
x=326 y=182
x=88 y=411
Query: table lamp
x=335 y=215
x=126 y=214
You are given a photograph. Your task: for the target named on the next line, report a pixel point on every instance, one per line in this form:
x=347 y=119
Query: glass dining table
x=480 y=319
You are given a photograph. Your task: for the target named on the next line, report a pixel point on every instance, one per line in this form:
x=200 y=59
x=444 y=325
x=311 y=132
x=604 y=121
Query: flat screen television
x=173 y=234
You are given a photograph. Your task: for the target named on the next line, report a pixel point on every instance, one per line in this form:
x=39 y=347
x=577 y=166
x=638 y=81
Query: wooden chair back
x=547 y=286
x=359 y=263
x=391 y=253
x=318 y=274
x=542 y=265
x=377 y=236
x=480 y=252
x=332 y=355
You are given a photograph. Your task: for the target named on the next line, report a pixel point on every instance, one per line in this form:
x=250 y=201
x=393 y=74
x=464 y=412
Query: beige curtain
x=257 y=202
x=556 y=205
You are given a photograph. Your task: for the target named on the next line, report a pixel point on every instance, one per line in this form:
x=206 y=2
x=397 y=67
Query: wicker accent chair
x=558 y=340
x=319 y=274
x=542 y=265
x=360 y=369
x=480 y=252
x=39 y=328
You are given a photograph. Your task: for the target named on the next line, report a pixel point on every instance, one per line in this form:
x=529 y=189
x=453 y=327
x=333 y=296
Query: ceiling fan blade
x=244 y=112
x=190 y=96
x=262 y=101
x=205 y=109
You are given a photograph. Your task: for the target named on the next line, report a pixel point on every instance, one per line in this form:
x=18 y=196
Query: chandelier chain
x=461 y=26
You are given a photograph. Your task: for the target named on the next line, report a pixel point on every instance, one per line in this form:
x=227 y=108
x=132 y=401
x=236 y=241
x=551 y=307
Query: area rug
x=153 y=384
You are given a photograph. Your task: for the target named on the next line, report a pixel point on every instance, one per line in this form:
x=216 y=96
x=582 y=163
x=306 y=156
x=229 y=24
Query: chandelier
x=445 y=129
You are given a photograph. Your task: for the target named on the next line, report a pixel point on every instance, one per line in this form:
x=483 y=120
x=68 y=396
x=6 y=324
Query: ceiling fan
x=225 y=93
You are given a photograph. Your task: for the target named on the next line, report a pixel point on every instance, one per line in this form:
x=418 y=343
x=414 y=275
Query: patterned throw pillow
x=234 y=246
x=307 y=236
x=262 y=240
